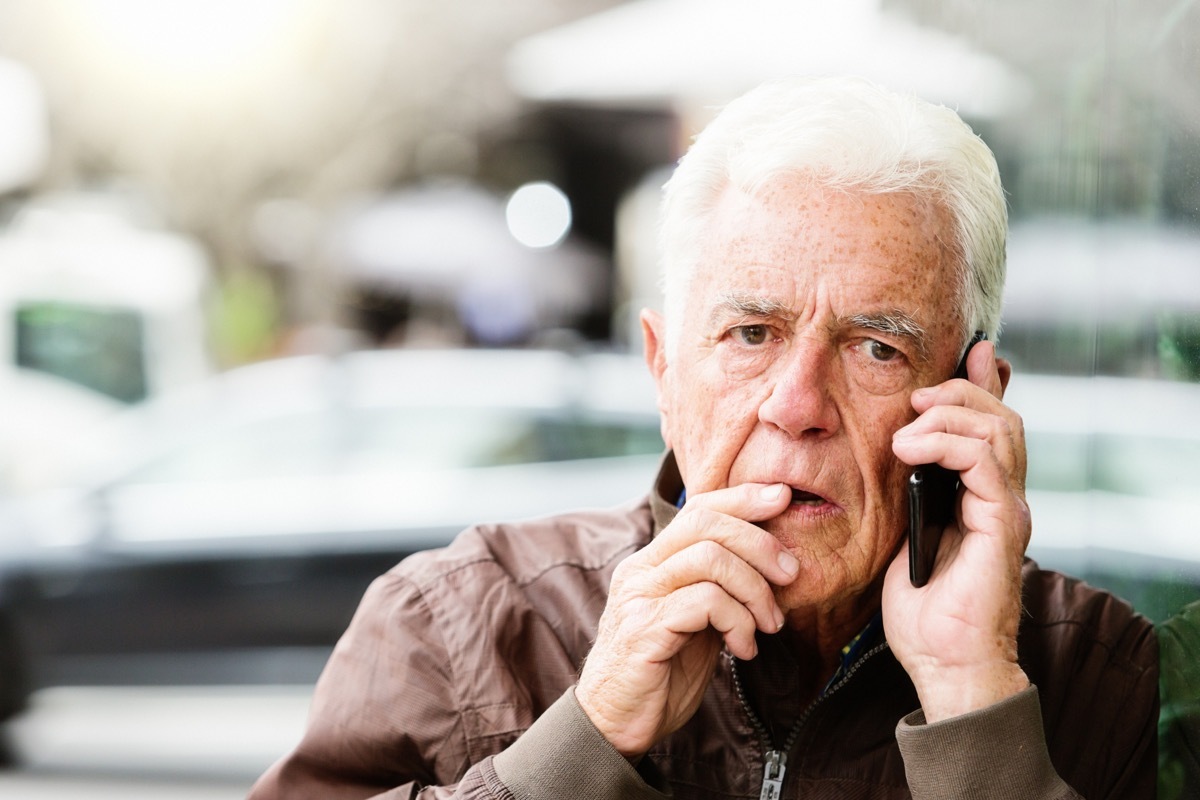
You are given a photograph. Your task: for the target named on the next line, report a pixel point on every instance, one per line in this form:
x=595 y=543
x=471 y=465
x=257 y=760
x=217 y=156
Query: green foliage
x=1179 y=720
x=245 y=318
x=1179 y=346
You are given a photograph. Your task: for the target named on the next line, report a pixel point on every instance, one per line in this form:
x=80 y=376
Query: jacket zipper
x=775 y=759
x=772 y=785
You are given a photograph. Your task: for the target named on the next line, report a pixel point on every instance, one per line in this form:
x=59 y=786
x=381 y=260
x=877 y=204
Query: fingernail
x=788 y=562
x=778 y=619
x=771 y=493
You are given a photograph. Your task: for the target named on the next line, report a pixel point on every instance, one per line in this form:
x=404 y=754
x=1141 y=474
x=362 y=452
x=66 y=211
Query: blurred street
x=190 y=743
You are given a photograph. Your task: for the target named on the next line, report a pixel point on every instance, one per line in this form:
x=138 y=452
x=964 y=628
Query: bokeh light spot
x=538 y=214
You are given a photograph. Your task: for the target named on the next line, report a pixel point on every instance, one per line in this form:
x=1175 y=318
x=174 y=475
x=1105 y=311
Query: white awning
x=664 y=53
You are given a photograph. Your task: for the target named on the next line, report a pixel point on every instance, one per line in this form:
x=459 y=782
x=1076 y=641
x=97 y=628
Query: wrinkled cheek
x=709 y=441
x=885 y=484
x=887 y=519
x=706 y=459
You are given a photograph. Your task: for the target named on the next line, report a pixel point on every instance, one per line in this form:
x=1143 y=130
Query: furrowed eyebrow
x=893 y=323
x=748 y=305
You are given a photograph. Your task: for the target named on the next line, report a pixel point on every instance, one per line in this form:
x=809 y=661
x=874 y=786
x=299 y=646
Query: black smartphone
x=932 y=493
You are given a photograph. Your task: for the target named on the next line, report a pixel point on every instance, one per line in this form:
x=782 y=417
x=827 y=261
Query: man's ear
x=1004 y=367
x=655 y=351
x=654 y=343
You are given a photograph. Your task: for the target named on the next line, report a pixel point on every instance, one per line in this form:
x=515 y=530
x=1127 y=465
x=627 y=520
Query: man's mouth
x=803 y=498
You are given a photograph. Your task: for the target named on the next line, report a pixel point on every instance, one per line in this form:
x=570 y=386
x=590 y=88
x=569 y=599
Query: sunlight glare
x=189 y=36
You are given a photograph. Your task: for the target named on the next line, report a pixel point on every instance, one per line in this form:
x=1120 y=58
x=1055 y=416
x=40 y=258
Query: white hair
x=843 y=134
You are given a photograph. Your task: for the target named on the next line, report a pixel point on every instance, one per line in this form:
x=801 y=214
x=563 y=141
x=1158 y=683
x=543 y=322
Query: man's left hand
x=957 y=635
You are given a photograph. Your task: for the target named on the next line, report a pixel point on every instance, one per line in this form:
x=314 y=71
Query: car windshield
x=381 y=440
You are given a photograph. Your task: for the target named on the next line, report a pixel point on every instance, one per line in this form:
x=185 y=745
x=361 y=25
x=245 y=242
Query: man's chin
x=806 y=604
x=842 y=578
x=811 y=534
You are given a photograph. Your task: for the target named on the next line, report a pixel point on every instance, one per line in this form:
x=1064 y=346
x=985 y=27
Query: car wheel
x=15 y=685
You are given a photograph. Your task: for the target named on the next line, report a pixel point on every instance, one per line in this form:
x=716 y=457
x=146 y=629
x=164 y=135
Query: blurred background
x=280 y=279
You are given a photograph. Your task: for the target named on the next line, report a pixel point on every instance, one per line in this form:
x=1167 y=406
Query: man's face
x=812 y=317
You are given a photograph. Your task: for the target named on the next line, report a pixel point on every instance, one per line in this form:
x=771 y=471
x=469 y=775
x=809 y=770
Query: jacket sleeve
x=995 y=753
x=384 y=719
x=387 y=722
x=563 y=755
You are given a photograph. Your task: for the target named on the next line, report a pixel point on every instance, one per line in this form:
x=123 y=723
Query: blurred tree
x=1179 y=346
x=245 y=317
x=1179 y=723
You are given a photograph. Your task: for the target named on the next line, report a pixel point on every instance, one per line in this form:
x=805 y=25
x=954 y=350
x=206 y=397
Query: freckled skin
x=809 y=405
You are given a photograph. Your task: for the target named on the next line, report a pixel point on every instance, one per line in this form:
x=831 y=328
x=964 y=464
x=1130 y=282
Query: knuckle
x=623 y=572
x=701 y=517
x=1016 y=427
x=1023 y=517
x=706 y=554
x=1001 y=429
x=709 y=593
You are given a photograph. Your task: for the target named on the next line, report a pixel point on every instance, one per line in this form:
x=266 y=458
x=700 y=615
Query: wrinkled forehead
x=889 y=240
x=741 y=212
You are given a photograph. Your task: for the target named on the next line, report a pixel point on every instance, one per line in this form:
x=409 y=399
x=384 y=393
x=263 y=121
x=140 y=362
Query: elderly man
x=750 y=629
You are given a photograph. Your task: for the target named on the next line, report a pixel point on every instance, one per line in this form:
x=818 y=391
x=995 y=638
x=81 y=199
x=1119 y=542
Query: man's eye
x=880 y=351
x=751 y=334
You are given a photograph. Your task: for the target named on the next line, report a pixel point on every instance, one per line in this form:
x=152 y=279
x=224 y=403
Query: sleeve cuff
x=563 y=755
x=995 y=752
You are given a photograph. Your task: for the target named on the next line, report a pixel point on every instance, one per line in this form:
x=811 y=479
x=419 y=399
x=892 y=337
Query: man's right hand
x=705 y=578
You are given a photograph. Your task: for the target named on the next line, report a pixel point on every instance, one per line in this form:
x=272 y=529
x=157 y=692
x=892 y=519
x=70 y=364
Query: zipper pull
x=772 y=786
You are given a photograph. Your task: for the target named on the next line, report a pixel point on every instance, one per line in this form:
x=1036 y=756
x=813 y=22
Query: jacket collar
x=668 y=488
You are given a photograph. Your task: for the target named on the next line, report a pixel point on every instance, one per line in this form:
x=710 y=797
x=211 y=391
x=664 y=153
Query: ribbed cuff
x=563 y=755
x=995 y=752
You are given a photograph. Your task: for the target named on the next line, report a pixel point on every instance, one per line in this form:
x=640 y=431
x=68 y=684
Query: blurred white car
x=246 y=515
x=371 y=444
x=42 y=417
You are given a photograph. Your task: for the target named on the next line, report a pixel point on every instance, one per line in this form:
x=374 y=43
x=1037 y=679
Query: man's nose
x=801 y=402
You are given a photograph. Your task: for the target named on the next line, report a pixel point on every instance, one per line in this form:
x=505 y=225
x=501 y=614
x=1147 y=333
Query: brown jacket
x=461 y=654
